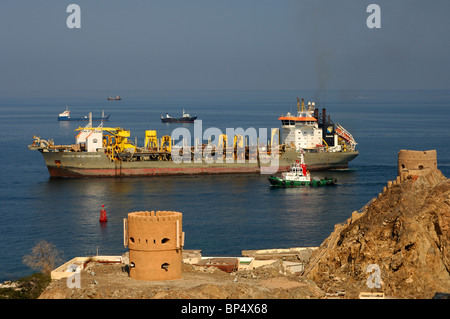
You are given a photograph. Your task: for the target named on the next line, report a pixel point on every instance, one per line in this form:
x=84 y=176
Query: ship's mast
x=300 y=106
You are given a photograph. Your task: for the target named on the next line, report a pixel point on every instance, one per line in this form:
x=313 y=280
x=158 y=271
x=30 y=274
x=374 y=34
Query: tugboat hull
x=279 y=182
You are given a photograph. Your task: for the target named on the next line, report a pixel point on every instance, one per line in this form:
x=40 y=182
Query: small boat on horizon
x=298 y=176
x=65 y=116
x=185 y=118
x=117 y=98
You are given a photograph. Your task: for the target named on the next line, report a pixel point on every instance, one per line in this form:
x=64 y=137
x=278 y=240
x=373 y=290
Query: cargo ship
x=185 y=118
x=65 y=116
x=107 y=151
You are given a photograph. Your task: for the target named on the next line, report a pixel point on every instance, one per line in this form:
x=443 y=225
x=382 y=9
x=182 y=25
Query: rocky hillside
x=398 y=244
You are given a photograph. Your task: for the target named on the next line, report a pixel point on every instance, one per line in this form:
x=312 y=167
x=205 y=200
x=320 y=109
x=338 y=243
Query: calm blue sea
x=222 y=215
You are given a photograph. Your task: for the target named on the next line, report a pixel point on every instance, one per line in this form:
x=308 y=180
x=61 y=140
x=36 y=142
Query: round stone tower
x=155 y=241
x=410 y=161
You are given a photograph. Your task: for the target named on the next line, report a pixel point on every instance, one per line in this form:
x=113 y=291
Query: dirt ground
x=111 y=281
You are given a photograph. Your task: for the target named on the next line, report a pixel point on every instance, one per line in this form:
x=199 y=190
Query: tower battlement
x=159 y=216
x=416 y=161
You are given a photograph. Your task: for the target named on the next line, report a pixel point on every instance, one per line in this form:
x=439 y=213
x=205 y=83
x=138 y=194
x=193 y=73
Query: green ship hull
x=280 y=182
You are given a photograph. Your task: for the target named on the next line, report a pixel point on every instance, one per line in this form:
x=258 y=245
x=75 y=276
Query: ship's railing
x=343 y=133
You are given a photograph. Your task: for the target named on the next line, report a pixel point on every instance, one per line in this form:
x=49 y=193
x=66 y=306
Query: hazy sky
x=223 y=44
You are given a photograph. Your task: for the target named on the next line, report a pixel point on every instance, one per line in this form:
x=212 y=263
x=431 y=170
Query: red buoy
x=103 y=217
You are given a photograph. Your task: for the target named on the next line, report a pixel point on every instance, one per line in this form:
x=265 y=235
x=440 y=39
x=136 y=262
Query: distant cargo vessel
x=117 y=98
x=65 y=116
x=107 y=152
x=185 y=118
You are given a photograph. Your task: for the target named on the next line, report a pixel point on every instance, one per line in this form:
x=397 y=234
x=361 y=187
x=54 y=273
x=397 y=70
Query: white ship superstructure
x=92 y=138
x=302 y=130
x=308 y=131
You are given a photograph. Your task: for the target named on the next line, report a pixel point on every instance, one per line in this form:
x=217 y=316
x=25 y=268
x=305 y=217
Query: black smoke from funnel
x=323 y=27
x=323 y=74
x=314 y=34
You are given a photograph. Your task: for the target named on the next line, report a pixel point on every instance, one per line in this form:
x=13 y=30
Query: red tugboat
x=298 y=176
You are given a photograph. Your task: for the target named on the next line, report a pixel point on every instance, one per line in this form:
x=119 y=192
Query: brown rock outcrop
x=405 y=232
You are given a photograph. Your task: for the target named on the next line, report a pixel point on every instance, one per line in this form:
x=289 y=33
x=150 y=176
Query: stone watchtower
x=155 y=241
x=415 y=161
